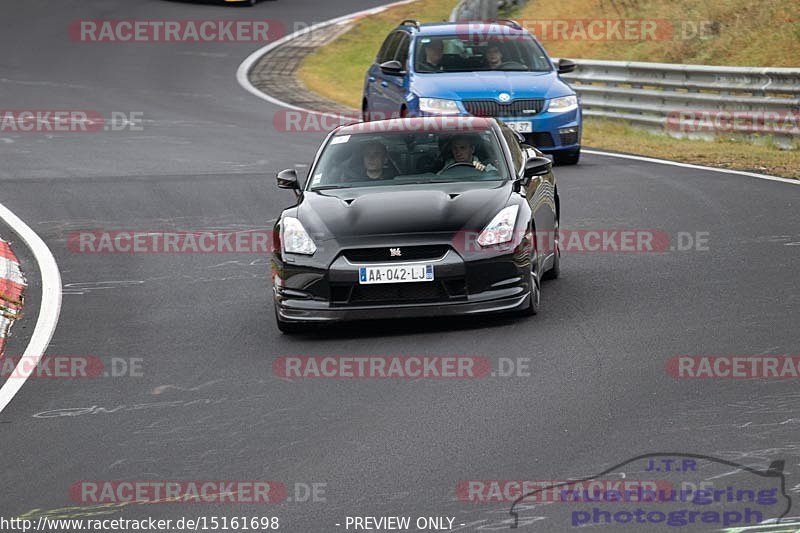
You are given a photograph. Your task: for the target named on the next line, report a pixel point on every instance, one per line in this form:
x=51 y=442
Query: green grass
x=764 y=33
x=723 y=152
x=337 y=70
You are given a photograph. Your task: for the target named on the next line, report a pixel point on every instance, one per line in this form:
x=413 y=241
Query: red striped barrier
x=12 y=287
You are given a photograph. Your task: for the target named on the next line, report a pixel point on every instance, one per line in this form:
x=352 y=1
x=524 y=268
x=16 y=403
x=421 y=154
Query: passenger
x=374 y=164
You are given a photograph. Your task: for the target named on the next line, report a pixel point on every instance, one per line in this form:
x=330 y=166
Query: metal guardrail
x=667 y=97
x=655 y=94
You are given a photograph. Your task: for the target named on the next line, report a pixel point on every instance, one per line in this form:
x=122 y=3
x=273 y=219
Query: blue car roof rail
x=508 y=22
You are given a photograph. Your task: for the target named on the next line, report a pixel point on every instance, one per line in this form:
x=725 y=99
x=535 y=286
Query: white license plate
x=395 y=274
x=521 y=126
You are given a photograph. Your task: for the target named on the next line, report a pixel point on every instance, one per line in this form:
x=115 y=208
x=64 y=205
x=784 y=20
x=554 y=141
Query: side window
x=384 y=47
x=402 y=49
x=390 y=50
x=517 y=155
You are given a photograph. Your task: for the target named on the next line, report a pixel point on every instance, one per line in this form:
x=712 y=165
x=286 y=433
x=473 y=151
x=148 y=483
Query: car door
x=396 y=87
x=376 y=84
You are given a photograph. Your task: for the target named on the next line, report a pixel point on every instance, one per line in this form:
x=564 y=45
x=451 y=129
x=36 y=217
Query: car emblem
x=395 y=252
x=504 y=97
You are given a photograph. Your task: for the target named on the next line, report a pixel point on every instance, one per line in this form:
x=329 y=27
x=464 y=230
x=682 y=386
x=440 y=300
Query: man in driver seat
x=463 y=149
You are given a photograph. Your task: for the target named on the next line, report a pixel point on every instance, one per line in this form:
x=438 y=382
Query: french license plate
x=522 y=126
x=395 y=274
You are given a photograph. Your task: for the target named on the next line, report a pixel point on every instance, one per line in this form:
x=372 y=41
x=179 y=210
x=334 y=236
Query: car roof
x=446 y=124
x=482 y=28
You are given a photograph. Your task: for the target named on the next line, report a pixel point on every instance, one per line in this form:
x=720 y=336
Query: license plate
x=521 y=126
x=395 y=274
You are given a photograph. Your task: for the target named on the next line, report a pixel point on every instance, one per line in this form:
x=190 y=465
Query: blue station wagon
x=495 y=69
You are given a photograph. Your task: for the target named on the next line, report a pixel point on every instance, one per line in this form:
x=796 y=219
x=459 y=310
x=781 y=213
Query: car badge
x=504 y=97
x=395 y=252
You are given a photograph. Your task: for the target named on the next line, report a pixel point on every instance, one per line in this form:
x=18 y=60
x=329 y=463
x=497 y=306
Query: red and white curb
x=49 y=307
x=12 y=287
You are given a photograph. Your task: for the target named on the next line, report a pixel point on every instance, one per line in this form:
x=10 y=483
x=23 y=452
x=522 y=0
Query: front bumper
x=307 y=293
x=305 y=311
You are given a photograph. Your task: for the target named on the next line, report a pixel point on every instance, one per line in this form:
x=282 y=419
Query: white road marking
x=48 y=310
x=689 y=165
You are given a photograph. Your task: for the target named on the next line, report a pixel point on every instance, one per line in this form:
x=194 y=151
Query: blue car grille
x=514 y=108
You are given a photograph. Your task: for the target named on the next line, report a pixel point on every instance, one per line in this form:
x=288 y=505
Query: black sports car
x=416 y=217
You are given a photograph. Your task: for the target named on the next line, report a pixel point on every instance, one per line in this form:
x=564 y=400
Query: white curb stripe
x=9 y=270
x=689 y=165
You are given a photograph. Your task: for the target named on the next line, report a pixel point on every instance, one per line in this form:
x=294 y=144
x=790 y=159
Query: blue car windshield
x=466 y=54
x=397 y=158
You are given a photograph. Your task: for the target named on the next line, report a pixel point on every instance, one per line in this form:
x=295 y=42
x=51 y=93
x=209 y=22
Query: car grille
x=384 y=254
x=514 y=108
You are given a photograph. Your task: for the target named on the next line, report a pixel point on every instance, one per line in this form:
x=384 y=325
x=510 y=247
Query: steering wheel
x=456 y=164
x=513 y=65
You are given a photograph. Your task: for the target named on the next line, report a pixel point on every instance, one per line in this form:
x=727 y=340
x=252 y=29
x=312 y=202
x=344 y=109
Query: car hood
x=481 y=85
x=401 y=209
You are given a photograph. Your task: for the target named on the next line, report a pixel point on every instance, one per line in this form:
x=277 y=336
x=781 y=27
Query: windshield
x=464 y=54
x=381 y=159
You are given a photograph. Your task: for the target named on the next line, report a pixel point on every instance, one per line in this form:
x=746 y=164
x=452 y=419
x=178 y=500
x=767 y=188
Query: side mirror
x=287 y=179
x=392 y=68
x=537 y=166
x=566 y=65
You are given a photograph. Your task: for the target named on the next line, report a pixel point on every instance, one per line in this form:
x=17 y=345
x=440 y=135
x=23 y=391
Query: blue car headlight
x=438 y=106
x=563 y=103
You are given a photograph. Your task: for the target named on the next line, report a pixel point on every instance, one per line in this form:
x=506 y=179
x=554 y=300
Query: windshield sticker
x=341 y=139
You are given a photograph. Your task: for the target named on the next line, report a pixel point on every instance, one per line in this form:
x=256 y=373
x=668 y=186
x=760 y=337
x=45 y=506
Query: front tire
x=567 y=157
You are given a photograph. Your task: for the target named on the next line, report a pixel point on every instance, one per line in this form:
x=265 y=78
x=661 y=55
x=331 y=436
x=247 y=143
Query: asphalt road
x=208 y=406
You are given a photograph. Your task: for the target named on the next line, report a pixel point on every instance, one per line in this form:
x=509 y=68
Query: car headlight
x=438 y=106
x=295 y=239
x=501 y=228
x=565 y=103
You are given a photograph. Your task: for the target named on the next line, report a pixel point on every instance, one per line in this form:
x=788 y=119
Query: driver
x=463 y=148
x=494 y=57
x=433 y=52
